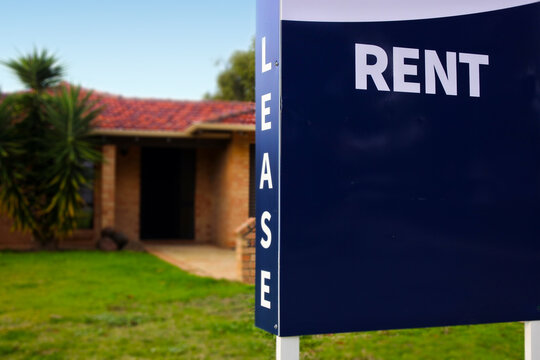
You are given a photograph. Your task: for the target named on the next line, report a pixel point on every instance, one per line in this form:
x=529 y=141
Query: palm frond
x=13 y=201
x=70 y=115
x=37 y=71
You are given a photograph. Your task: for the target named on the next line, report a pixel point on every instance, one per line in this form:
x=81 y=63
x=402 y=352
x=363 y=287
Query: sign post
x=532 y=340
x=288 y=348
x=397 y=161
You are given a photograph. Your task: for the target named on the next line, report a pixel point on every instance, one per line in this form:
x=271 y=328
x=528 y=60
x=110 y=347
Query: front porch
x=210 y=260
x=199 y=259
x=194 y=190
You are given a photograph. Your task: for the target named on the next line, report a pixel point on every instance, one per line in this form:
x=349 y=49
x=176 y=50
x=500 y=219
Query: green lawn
x=89 y=305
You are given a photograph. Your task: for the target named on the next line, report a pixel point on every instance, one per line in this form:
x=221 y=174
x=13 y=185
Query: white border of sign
x=369 y=10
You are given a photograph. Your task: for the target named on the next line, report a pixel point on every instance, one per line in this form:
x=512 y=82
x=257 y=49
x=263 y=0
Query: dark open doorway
x=167 y=193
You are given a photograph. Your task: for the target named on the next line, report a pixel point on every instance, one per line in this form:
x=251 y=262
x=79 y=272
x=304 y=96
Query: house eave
x=193 y=131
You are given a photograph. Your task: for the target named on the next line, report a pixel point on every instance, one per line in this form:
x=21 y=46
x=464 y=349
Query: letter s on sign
x=266 y=216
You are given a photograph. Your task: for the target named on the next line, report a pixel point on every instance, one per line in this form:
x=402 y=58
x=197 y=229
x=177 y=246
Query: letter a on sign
x=266 y=175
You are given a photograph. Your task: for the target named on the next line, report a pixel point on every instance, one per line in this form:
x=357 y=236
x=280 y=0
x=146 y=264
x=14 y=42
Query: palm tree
x=12 y=200
x=44 y=143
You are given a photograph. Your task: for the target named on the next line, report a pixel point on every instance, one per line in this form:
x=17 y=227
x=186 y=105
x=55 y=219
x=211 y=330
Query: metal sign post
x=532 y=340
x=288 y=348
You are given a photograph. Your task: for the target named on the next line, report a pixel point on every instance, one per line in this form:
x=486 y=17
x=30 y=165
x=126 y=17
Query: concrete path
x=199 y=259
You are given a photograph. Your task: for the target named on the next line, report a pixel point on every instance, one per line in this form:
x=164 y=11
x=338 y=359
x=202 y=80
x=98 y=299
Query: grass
x=90 y=305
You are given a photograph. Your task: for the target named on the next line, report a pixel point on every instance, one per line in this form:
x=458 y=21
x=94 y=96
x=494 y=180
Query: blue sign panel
x=267 y=164
x=409 y=165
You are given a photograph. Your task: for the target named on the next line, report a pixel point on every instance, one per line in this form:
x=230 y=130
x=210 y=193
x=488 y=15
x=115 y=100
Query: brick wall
x=97 y=203
x=108 y=186
x=245 y=251
x=128 y=191
x=232 y=189
x=13 y=240
x=222 y=190
x=206 y=193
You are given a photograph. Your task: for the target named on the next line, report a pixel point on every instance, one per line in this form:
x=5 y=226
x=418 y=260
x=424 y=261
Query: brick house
x=173 y=170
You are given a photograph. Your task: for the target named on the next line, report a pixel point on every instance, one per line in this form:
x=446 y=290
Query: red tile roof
x=132 y=114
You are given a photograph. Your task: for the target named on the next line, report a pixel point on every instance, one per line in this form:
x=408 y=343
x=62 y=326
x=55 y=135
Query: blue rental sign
x=398 y=164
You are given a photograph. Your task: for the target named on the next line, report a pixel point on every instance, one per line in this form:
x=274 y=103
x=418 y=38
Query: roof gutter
x=219 y=127
x=190 y=132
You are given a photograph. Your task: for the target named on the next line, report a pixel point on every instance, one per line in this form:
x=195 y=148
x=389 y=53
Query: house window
x=85 y=216
x=252 y=180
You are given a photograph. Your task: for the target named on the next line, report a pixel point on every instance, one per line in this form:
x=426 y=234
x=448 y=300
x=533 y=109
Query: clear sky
x=157 y=48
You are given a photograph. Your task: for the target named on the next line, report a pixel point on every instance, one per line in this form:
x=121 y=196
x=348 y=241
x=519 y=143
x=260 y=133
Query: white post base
x=532 y=340
x=288 y=348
